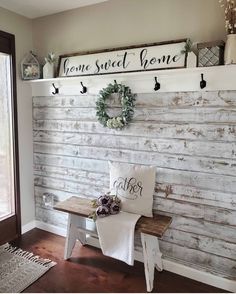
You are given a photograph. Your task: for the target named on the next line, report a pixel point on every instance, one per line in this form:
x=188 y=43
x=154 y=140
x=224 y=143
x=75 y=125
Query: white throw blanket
x=116 y=235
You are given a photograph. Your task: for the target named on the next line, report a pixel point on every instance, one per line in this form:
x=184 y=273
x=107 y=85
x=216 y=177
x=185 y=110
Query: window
x=7 y=206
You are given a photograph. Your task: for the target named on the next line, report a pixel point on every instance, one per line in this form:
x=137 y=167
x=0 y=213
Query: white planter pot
x=230 y=49
x=191 y=60
x=48 y=71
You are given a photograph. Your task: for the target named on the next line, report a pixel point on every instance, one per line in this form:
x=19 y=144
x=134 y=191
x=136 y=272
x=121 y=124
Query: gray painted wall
x=119 y=23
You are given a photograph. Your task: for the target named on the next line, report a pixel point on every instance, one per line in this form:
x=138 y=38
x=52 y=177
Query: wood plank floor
x=89 y=271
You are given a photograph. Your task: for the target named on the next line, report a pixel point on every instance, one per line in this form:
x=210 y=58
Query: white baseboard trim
x=200 y=276
x=50 y=228
x=171 y=266
x=27 y=227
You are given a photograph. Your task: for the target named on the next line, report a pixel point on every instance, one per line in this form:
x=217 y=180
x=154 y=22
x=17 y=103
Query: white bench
x=150 y=229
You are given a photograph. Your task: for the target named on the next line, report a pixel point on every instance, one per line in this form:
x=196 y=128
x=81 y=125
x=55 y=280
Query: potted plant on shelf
x=230 y=26
x=191 y=56
x=48 y=68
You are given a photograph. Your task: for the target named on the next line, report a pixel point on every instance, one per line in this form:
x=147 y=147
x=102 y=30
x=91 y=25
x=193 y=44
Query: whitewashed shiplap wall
x=189 y=136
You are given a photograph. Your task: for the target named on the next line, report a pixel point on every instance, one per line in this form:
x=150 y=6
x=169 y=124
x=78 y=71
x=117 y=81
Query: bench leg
x=81 y=236
x=158 y=257
x=152 y=258
x=74 y=221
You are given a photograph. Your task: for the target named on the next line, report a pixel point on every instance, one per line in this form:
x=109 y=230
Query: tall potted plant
x=230 y=26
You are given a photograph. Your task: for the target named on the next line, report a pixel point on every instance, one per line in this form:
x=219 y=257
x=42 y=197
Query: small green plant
x=188 y=47
x=51 y=58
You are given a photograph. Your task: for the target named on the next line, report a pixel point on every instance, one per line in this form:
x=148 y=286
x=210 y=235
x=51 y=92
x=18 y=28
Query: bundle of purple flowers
x=105 y=205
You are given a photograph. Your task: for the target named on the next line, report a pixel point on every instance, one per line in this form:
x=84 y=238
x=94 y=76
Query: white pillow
x=134 y=185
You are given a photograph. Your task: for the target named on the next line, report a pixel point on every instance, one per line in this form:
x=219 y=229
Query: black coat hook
x=56 y=91
x=84 y=89
x=157 y=85
x=203 y=83
x=115 y=86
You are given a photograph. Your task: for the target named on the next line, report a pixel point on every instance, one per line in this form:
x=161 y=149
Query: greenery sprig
x=51 y=58
x=127 y=102
x=188 y=47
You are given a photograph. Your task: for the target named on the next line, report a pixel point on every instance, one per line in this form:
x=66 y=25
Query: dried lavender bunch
x=230 y=15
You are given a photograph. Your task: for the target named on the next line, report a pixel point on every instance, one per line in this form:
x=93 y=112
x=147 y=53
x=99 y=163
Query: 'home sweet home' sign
x=155 y=56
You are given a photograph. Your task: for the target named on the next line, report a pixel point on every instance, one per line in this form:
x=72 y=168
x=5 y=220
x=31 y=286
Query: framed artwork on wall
x=146 y=57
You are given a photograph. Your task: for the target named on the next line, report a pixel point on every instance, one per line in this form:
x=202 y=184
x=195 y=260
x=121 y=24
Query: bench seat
x=155 y=226
x=150 y=229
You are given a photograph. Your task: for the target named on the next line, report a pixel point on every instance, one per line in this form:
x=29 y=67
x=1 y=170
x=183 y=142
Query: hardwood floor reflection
x=89 y=271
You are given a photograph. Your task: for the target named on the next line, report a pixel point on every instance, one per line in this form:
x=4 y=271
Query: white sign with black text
x=144 y=58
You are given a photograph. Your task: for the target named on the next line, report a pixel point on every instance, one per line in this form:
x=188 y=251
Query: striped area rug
x=19 y=269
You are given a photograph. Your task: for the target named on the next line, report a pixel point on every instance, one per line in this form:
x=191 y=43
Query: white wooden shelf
x=171 y=80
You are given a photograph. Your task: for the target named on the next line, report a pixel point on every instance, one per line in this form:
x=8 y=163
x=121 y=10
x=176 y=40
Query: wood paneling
x=175 y=115
x=199 y=132
x=190 y=138
x=169 y=146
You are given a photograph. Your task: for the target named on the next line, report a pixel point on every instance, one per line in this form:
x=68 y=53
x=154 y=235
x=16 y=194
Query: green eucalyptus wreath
x=127 y=102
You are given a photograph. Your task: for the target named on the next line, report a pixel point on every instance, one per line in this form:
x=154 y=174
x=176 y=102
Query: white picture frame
x=155 y=56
